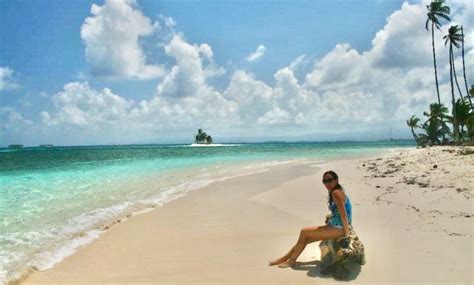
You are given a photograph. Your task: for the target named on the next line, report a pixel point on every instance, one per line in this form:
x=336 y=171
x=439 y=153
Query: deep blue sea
x=54 y=199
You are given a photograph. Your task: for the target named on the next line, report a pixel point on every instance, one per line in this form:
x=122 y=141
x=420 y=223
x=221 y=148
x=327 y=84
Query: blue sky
x=164 y=68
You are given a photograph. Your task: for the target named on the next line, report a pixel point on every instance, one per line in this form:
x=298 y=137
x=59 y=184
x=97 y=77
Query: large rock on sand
x=341 y=260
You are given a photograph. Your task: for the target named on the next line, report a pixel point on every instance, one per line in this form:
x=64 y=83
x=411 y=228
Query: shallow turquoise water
x=55 y=199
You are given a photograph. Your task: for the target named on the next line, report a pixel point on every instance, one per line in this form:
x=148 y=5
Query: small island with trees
x=202 y=138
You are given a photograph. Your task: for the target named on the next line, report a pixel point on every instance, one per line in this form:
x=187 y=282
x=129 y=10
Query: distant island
x=15 y=146
x=46 y=145
x=202 y=138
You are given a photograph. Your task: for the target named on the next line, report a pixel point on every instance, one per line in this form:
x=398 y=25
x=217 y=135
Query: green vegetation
x=435 y=130
x=202 y=138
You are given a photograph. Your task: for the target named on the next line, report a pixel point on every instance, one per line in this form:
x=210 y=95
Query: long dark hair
x=338 y=186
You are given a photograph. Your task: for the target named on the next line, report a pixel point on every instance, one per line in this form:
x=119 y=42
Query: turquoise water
x=53 y=200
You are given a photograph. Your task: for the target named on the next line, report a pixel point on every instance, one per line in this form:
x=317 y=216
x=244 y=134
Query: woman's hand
x=328 y=217
x=344 y=241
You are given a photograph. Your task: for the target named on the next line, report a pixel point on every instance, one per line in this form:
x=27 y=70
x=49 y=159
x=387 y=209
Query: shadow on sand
x=314 y=270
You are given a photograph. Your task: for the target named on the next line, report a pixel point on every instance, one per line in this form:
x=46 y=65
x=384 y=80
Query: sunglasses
x=329 y=180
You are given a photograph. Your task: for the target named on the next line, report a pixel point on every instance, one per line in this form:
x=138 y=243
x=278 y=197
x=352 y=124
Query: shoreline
x=117 y=213
x=263 y=197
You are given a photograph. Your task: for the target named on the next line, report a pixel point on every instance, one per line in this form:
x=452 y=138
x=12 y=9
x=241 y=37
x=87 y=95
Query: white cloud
x=12 y=122
x=168 y=21
x=396 y=74
x=404 y=42
x=194 y=64
x=252 y=97
x=346 y=90
x=111 y=36
x=257 y=54
x=275 y=116
x=297 y=62
x=80 y=105
x=7 y=80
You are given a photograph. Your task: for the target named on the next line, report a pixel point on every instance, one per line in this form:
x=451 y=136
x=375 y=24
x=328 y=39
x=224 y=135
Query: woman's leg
x=309 y=235
x=283 y=258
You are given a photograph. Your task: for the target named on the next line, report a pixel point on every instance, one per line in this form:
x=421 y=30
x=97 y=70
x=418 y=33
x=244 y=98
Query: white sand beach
x=412 y=209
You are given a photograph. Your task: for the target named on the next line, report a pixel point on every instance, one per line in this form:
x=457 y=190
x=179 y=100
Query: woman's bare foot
x=287 y=263
x=276 y=262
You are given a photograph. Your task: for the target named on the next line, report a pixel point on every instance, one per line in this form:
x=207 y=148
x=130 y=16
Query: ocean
x=55 y=199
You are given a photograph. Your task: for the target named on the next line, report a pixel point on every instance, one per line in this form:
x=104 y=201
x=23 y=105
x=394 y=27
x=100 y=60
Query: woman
x=338 y=225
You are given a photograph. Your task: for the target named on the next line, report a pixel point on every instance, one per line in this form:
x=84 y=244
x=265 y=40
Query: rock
x=342 y=262
x=435 y=166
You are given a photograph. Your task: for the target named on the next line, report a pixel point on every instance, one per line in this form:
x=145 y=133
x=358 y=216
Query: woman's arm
x=338 y=197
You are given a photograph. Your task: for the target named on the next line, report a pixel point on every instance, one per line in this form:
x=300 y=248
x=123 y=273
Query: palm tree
x=470 y=126
x=438 y=113
x=456 y=37
x=453 y=37
x=433 y=126
x=433 y=133
x=463 y=114
x=201 y=136
x=464 y=69
x=413 y=123
x=436 y=10
x=209 y=140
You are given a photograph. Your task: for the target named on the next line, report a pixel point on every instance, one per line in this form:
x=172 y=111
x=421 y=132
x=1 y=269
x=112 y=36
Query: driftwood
x=342 y=258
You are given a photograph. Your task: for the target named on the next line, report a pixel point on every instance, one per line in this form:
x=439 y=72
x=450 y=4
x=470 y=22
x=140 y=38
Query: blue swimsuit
x=335 y=219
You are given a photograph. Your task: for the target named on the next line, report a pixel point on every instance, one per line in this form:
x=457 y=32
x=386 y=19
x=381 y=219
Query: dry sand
x=414 y=218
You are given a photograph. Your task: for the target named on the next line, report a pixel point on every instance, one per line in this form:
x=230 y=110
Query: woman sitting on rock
x=338 y=224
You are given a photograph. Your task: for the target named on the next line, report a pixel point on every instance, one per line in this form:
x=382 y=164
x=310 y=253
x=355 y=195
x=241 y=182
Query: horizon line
x=227 y=142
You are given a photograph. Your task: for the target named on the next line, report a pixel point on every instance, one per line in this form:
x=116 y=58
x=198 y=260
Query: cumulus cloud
x=250 y=95
x=12 y=122
x=397 y=72
x=78 y=104
x=275 y=116
x=111 y=36
x=346 y=89
x=7 y=80
x=257 y=54
x=403 y=42
x=194 y=64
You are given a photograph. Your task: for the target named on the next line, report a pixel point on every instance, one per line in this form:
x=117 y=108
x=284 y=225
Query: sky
x=139 y=71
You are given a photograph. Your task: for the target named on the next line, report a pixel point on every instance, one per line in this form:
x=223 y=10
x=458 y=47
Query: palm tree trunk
x=434 y=62
x=456 y=77
x=455 y=125
x=436 y=70
x=414 y=135
x=464 y=69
